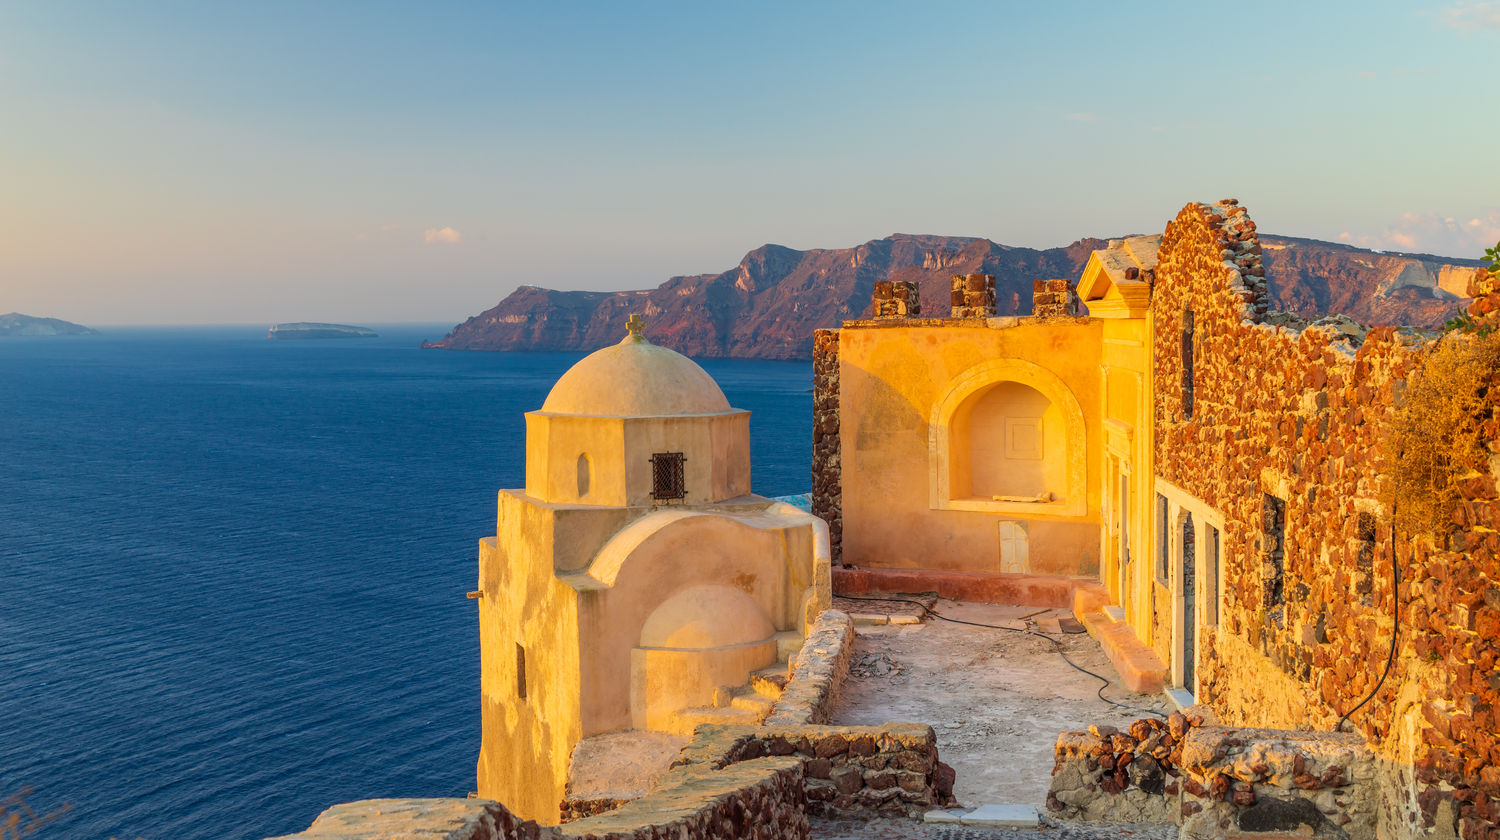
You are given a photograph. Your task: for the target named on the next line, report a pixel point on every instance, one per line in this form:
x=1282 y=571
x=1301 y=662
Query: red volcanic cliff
x=768 y=306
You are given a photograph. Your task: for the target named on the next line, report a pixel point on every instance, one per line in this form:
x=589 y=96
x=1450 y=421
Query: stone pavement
x=996 y=699
x=897 y=829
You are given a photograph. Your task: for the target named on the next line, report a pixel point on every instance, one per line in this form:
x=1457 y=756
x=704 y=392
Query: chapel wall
x=528 y=626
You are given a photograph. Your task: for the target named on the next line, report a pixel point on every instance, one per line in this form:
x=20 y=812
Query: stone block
x=1002 y=816
x=945 y=817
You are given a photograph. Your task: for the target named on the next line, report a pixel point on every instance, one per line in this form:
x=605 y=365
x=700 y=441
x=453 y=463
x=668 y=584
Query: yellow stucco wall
x=894 y=378
x=1125 y=374
x=526 y=743
x=617 y=469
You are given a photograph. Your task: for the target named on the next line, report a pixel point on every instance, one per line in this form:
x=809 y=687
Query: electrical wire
x=1390 y=658
x=1057 y=646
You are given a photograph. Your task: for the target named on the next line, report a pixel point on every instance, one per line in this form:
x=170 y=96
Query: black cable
x=1058 y=646
x=1395 y=625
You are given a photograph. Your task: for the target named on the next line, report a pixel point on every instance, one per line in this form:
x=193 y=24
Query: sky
x=259 y=162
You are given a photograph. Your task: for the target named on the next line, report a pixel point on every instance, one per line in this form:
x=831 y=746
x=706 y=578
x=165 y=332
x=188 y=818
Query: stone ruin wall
x=1297 y=411
x=1217 y=781
x=827 y=469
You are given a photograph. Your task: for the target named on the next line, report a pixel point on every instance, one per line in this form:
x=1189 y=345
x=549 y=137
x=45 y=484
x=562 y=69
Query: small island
x=308 y=330
x=15 y=323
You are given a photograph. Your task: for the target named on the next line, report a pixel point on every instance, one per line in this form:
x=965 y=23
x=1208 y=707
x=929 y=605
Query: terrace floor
x=996 y=698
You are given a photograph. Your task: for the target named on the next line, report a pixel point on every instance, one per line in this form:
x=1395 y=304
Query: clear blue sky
x=201 y=162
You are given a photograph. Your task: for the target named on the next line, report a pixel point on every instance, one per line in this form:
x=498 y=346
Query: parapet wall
x=1276 y=425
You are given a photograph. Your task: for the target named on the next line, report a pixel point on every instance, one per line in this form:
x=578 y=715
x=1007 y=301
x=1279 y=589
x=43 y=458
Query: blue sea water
x=232 y=570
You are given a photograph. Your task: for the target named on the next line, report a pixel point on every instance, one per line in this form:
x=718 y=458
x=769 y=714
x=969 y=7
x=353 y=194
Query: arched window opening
x=1187 y=363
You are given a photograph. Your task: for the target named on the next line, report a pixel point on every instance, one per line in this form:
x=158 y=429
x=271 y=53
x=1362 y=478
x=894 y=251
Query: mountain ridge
x=768 y=305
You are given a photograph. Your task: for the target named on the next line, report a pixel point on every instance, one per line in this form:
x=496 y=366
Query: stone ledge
x=850 y=771
x=420 y=819
x=818 y=670
x=1024 y=590
x=755 y=798
x=995 y=323
x=1140 y=669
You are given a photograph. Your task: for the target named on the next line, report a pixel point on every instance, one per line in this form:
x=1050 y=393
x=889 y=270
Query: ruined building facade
x=1224 y=472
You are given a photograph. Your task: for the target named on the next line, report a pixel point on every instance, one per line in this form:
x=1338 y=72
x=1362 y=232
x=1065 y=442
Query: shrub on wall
x=1439 y=429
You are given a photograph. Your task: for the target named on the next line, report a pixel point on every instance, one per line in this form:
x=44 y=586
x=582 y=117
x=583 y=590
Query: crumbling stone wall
x=1217 y=781
x=827 y=467
x=1294 y=411
x=849 y=771
x=1106 y=775
x=1277 y=781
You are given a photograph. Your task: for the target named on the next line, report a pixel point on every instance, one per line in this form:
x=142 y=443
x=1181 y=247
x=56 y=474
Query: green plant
x=1436 y=435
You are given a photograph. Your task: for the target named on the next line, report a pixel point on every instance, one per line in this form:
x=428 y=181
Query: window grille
x=667 y=476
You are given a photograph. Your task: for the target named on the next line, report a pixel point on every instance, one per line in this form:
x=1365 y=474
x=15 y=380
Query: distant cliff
x=17 y=324
x=768 y=306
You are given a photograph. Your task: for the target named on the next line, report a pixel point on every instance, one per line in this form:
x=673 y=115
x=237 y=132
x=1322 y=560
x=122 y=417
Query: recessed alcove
x=1008 y=437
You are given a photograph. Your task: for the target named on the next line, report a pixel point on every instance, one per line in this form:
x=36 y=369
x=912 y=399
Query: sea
x=233 y=570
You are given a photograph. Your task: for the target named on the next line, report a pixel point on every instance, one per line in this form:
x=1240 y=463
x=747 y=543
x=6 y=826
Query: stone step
x=770 y=682
x=684 y=721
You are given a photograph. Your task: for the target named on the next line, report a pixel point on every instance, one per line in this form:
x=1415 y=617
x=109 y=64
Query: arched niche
x=1008 y=436
x=698 y=640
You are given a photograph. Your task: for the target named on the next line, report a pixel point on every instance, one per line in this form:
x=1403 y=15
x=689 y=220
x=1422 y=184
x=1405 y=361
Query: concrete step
x=1140 y=669
x=788 y=643
x=752 y=701
x=770 y=682
x=684 y=721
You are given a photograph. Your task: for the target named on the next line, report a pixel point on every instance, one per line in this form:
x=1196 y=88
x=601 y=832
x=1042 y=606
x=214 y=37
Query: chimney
x=1053 y=299
x=896 y=299
x=973 y=295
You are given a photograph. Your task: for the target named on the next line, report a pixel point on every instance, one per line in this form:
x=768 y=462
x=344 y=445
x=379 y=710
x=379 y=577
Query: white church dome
x=635 y=378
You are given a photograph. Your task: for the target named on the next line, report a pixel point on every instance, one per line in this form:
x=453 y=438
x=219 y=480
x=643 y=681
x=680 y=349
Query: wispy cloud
x=445 y=235
x=1429 y=233
x=1081 y=116
x=1473 y=17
